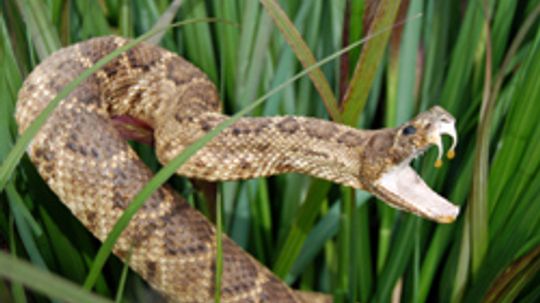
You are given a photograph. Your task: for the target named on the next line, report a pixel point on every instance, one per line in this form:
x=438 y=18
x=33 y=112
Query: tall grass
x=478 y=59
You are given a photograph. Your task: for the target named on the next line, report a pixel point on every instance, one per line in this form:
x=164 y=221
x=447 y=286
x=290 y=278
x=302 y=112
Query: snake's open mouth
x=403 y=188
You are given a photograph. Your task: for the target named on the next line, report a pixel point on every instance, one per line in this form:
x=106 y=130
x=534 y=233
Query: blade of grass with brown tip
x=304 y=54
x=370 y=58
x=165 y=20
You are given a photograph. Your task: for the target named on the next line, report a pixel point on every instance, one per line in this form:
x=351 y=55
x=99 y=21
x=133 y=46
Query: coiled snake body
x=84 y=159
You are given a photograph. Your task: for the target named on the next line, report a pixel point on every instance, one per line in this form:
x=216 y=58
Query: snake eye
x=409 y=130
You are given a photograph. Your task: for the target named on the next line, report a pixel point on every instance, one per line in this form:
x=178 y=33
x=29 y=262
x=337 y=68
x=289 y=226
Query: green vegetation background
x=478 y=59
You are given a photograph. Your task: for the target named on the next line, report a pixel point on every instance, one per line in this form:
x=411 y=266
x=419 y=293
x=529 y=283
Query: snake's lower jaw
x=403 y=188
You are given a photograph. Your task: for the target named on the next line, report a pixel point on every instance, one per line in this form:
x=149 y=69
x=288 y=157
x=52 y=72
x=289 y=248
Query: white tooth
x=449 y=129
x=436 y=139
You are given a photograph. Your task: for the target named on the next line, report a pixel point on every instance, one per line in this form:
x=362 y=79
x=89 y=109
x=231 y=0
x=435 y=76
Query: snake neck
x=258 y=147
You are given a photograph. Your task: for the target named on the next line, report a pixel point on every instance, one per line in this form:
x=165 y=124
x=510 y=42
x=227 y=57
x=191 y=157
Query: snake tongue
x=404 y=189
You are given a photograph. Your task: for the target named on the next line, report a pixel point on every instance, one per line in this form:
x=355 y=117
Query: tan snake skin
x=88 y=164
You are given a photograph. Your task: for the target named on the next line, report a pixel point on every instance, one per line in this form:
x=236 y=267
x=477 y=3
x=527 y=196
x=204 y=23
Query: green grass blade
x=228 y=39
x=479 y=212
x=123 y=278
x=126 y=20
x=462 y=58
x=44 y=35
x=93 y=19
x=17 y=206
x=253 y=75
x=509 y=283
x=394 y=267
x=304 y=54
x=199 y=44
x=247 y=37
x=44 y=282
x=372 y=54
x=165 y=20
x=298 y=232
x=324 y=231
x=19 y=295
x=345 y=270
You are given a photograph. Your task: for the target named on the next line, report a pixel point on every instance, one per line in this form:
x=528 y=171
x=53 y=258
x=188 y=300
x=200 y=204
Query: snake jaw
x=403 y=188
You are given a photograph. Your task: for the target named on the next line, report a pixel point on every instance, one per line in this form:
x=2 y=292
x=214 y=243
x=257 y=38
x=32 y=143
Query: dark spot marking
x=183 y=118
x=173 y=249
x=135 y=61
x=94 y=152
x=30 y=87
x=119 y=200
x=260 y=124
x=244 y=164
x=119 y=176
x=95 y=49
x=204 y=92
x=147 y=230
x=319 y=129
x=88 y=97
x=315 y=153
x=73 y=137
x=262 y=147
x=212 y=288
x=351 y=139
x=380 y=142
x=71 y=146
x=83 y=150
x=137 y=96
x=179 y=71
x=91 y=216
x=208 y=122
x=178 y=208
x=288 y=125
x=121 y=253
x=65 y=64
x=43 y=153
x=151 y=268
x=76 y=148
x=56 y=83
x=284 y=167
x=199 y=164
x=112 y=68
x=236 y=131
x=241 y=127
x=206 y=125
x=49 y=169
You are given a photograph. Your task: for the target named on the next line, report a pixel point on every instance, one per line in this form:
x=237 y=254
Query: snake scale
x=92 y=169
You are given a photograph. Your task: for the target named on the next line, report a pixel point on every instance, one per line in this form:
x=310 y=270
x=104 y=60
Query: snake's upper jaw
x=403 y=188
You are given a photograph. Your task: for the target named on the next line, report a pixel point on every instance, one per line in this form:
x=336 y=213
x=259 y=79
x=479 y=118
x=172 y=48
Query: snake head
x=413 y=138
x=398 y=184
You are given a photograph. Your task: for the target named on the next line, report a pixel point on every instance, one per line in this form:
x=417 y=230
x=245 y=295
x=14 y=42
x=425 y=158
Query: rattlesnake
x=84 y=159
